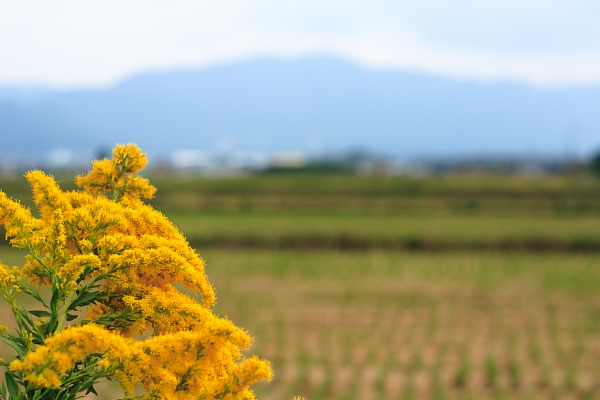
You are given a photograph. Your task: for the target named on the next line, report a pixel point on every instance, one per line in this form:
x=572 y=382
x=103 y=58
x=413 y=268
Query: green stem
x=64 y=310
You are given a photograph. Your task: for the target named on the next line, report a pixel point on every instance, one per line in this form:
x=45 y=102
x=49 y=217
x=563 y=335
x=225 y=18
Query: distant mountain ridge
x=311 y=104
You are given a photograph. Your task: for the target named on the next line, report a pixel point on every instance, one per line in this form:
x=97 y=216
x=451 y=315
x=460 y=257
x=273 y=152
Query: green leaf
x=118 y=319
x=71 y=317
x=83 y=299
x=88 y=270
x=37 y=394
x=42 y=394
x=54 y=300
x=92 y=390
x=87 y=384
x=21 y=350
x=35 y=295
x=52 y=325
x=23 y=313
x=40 y=313
x=13 y=386
x=37 y=338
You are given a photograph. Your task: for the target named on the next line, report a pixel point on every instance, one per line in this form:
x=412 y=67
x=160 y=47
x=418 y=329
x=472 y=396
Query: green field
x=556 y=213
x=396 y=325
x=400 y=288
x=562 y=196
x=389 y=325
x=357 y=231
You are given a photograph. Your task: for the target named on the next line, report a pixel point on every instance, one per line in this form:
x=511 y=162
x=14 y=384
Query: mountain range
x=317 y=104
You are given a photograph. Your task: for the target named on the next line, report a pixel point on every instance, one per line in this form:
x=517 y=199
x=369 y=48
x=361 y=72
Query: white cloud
x=510 y=25
x=97 y=42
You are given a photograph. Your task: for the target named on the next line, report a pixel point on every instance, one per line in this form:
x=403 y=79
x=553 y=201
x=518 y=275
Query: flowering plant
x=113 y=266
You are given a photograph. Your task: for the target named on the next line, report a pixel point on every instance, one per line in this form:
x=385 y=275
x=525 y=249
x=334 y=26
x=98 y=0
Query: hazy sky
x=80 y=43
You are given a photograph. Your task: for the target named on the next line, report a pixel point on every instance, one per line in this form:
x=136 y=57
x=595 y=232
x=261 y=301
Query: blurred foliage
x=595 y=164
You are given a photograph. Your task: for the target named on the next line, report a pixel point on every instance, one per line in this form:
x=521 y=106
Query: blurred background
x=398 y=200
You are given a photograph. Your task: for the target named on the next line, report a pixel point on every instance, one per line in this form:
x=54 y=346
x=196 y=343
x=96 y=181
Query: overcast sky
x=84 y=43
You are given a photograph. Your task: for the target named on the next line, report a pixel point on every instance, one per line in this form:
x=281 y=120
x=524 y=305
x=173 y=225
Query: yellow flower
x=129 y=158
x=191 y=365
x=117 y=175
x=36 y=272
x=47 y=194
x=104 y=239
x=49 y=363
x=99 y=179
x=19 y=223
x=8 y=276
x=72 y=269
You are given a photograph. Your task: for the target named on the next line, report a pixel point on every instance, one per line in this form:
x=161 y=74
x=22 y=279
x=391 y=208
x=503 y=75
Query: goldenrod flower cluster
x=113 y=265
x=49 y=363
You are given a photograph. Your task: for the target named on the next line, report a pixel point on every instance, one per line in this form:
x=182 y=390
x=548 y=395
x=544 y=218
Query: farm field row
x=395 y=325
x=487 y=204
x=433 y=195
x=340 y=183
x=382 y=325
x=350 y=230
x=561 y=196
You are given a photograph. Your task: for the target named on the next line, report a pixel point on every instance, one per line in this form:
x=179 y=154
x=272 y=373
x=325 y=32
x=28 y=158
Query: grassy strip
x=347 y=241
x=350 y=231
x=378 y=226
x=316 y=183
